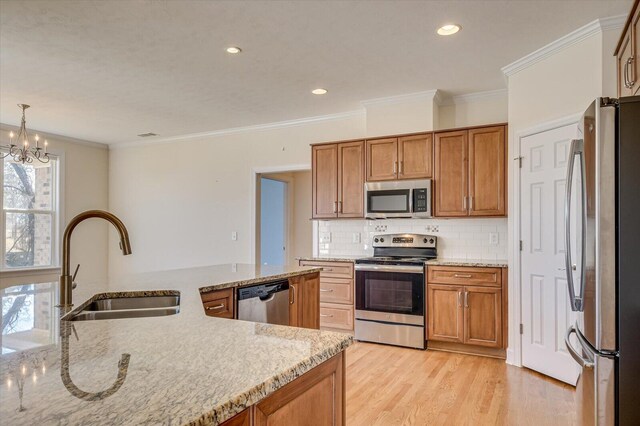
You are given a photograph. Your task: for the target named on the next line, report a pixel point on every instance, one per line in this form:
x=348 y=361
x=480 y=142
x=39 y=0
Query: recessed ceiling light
x=233 y=49
x=448 y=29
x=319 y=91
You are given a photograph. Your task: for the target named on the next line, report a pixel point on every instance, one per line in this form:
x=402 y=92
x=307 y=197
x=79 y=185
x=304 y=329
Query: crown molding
x=244 y=129
x=55 y=137
x=428 y=95
x=582 y=33
x=474 y=97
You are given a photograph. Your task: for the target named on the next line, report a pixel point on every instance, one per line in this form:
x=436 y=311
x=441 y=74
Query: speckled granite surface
x=331 y=258
x=469 y=262
x=180 y=369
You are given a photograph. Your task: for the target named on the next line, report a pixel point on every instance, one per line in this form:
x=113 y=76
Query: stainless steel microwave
x=401 y=198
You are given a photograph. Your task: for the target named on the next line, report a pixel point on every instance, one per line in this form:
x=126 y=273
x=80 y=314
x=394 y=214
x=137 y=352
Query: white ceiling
x=108 y=70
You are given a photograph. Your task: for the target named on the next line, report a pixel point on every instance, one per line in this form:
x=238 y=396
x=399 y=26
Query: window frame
x=56 y=212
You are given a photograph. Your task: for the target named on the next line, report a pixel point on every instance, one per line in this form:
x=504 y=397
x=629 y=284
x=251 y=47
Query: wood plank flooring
x=390 y=386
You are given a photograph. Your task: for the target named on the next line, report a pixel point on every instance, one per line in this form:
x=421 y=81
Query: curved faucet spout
x=66 y=281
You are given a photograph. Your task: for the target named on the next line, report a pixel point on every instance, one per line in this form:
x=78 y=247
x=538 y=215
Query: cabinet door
x=451 y=174
x=483 y=316
x=310 y=302
x=325 y=181
x=219 y=303
x=382 y=159
x=243 y=418
x=625 y=65
x=295 y=301
x=487 y=171
x=415 y=156
x=444 y=313
x=351 y=179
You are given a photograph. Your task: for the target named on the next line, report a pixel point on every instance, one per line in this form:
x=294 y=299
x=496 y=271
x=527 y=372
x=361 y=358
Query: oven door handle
x=407 y=269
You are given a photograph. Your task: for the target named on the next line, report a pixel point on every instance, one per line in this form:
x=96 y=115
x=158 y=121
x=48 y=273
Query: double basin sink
x=129 y=307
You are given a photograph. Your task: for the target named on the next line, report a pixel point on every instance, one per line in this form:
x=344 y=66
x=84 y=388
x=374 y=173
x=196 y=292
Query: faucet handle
x=73 y=279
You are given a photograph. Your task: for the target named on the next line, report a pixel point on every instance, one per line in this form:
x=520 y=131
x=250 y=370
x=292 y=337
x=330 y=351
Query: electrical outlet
x=432 y=229
x=493 y=238
x=234 y=236
x=325 y=237
x=356 y=238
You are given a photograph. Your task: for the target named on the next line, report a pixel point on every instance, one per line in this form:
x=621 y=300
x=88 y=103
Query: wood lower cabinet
x=465 y=307
x=337 y=294
x=315 y=398
x=338 y=180
x=627 y=54
x=304 y=301
x=220 y=303
x=470 y=172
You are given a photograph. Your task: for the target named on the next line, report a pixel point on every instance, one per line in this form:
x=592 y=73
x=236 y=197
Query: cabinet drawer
x=336 y=316
x=331 y=269
x=336 y=290
x=218 y=303
x=464 y=275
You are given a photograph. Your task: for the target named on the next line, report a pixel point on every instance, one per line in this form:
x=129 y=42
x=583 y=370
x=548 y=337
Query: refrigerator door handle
x=584 y=362
x=577 y=149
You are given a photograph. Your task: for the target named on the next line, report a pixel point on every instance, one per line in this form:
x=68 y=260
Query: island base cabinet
x=304 y=301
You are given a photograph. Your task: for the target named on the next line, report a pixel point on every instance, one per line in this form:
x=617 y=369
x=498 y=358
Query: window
x=29 y=214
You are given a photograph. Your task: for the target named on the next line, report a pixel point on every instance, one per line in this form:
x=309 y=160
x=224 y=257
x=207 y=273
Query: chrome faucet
x=66 y=280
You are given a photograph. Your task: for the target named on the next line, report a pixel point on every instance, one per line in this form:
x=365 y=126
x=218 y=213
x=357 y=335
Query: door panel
x=545 y=309
x=351 y=179
x=451 y=174
x=310 y=306
x=382 y=159
x=444 y=313
x=487 y=171
x=325 y=181
x=415 y=154
x=483 y=316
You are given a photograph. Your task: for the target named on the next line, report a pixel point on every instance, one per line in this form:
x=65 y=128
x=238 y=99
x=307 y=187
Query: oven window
x=393 y=292
x=392 y=201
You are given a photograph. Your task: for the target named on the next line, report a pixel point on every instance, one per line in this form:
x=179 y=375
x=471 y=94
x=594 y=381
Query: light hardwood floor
x=388 y=386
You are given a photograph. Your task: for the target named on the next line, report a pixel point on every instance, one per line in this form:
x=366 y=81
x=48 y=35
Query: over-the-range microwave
x=401 y=198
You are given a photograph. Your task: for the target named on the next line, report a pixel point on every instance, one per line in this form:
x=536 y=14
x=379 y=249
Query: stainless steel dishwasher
x=265 y=303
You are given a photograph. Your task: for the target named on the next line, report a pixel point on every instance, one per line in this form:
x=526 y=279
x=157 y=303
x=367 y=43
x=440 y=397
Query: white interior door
x=546 y=313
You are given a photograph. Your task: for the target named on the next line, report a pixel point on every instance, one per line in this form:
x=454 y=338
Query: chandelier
x=26 y=152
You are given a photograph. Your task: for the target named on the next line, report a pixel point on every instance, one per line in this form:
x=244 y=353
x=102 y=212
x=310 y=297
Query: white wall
x=476 y=109
x=416 y=112
x=85 y=167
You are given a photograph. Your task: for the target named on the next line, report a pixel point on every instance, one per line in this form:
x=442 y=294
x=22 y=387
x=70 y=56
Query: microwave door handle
x=575 y=149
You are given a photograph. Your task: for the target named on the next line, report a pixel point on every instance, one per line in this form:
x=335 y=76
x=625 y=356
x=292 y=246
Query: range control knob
x=382 y=240
x=425 y=240
x=431 y=240
x=376 y=240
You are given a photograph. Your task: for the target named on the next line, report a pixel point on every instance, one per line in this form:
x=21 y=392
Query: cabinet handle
x=464 y=203
x=628 y=83
x=326 y=316
x=466 y=299
x=293 y=295
x=401 y=167
x=215 y=308
x=327 y=269
x=460 y=298
x=395 y=167
x=462 y=275
x=335 y=207
x=326 y=290
x=340 y=206
x=470 y=203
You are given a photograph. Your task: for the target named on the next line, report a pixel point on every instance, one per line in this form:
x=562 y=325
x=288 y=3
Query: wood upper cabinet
x=325 y=181
x=627 y=55
x=487 y=171
x=451 y=174
x=351 y=179
x=415 y=154
x=445 y=314
x=304 y=301
x=483 y=316
x=382 y=159
x=338 y=180
x=470 y=172
x=405 y=157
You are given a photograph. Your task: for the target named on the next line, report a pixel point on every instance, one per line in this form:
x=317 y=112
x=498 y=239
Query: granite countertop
x=468 y=262
x=333 y=258
x=180 y=369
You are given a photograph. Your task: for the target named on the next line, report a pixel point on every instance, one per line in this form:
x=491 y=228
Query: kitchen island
x=186 y=368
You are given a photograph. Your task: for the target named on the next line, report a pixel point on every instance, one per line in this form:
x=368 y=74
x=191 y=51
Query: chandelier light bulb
x=10 y=135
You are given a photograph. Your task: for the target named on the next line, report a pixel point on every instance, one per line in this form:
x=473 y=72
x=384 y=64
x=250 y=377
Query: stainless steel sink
x=129 y=307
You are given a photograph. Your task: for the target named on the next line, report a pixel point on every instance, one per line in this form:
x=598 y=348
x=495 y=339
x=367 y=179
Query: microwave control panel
x=420 y=200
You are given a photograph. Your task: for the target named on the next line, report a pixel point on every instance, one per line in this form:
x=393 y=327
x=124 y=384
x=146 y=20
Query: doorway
x=273 y=221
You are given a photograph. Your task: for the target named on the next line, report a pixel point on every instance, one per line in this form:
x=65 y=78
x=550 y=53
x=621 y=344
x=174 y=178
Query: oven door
x=390 y=293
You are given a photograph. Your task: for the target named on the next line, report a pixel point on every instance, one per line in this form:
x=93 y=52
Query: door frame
x=255 y=176
x=514 y=351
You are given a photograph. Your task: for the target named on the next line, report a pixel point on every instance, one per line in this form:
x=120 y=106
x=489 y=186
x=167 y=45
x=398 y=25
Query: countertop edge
x=328 y=259
x=468 y=263
x=255 y=281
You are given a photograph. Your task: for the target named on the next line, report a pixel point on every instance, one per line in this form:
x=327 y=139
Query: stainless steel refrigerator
x=602 y=225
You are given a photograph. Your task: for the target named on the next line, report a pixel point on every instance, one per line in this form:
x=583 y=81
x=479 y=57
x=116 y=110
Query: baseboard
x=466 y=349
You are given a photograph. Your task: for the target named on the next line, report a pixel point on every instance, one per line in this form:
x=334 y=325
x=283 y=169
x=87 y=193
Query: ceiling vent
x=146 y=135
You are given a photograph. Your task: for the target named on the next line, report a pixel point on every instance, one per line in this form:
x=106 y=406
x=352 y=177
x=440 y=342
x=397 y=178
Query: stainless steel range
x=390 y=290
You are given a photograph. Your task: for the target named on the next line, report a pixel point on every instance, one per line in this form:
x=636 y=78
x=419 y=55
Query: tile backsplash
x=484 y=239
